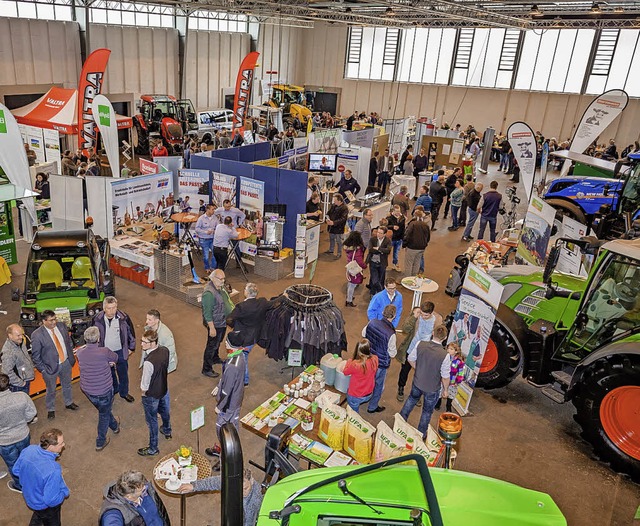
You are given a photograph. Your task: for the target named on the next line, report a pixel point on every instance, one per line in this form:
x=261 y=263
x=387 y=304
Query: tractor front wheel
x=608 y=410
x=502 y=360
x=140 y=139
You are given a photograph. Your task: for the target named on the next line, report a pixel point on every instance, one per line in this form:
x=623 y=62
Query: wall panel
x=39 y=52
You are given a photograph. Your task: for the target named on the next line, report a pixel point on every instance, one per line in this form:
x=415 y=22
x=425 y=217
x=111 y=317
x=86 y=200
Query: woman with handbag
x=354 y=248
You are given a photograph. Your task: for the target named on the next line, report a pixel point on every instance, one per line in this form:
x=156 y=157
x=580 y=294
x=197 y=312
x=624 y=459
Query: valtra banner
x=89 y=86
x=244 y=84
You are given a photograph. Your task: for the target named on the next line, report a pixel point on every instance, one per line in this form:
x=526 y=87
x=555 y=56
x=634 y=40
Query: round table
x=204 y=471
x=186 y=219
x=427 y=285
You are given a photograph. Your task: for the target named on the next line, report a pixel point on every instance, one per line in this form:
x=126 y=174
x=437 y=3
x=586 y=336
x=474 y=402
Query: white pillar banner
x=602 y=111
x=106 y=121
x=13 y=158
x=523 y=144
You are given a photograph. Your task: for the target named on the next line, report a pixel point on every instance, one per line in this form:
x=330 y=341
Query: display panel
x=322 y=162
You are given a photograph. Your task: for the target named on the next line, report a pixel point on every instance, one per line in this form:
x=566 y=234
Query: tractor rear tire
x=140 y=139
x=565 y=208
x=608 y=410
x=502 y=360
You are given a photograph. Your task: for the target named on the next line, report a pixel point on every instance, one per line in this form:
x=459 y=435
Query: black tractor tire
x=140 y=139
x=565 y=208
x=598 y=381
x=508 y=364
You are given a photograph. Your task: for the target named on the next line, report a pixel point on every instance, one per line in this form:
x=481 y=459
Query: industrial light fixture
x=535 y=10
x=618 y=10
x=389 y=11
x=596 y=9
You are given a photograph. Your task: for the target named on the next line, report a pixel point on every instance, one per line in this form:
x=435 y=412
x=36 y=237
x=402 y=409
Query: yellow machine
x=292 y=101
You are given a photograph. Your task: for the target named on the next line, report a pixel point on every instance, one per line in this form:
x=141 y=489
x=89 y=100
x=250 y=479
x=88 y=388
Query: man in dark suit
x=52 y=353
x=378 y=258
x=246 y=319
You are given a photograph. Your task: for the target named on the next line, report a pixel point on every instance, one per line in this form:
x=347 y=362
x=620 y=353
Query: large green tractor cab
x=579 y=340
x=67 y=272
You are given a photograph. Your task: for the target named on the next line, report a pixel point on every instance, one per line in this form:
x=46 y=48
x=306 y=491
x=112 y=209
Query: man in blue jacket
x=117 y=334
x=388 y=296
x=43 y=487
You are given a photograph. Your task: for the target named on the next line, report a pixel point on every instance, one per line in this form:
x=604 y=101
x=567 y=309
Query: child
x=362 y=368
x=456 y=375
x=230 y=390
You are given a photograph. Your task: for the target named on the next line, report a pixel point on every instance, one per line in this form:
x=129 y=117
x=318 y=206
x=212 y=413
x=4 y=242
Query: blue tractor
x=608 y=205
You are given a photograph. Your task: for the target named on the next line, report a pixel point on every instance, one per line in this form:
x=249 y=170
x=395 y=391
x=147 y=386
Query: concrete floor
x=515 y=434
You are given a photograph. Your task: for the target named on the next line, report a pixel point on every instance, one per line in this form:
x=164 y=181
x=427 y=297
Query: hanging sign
x=358 y=137
x=523 y=143
x=89 y=86
x=471 y=328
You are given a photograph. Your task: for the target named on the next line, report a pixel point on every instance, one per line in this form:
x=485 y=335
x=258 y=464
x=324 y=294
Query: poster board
x=471 y=328
x=100 y=205
x=7 y=236
x=570 y=260
x=142 y=197
x=193 y=190
x=252 y=204
x=536 y=232
x=52 y=147
x=222 y=187
x=447 y=151
x=148 y=167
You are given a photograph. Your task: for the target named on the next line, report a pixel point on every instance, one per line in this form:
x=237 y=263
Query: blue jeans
x=397 y=245
x=120 y=374
x=428 y=405
x=335 y=239
x=103 y=403
x=24 y=388
x=455 y=210
x=246 y=364
x=376 y=281
x=381 y=375
x=207 y=253
x=492 y=227
x=504 y=161
x=10 y=455
x=472 y=217
x=355 y=402
x=153 y=407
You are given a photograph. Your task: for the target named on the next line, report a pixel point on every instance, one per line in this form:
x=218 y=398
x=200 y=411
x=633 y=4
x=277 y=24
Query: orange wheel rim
x=490 y=358
x=620 y=417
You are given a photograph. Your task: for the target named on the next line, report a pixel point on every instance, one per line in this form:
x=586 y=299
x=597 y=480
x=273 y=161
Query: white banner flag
x=13 y=158
x=602 y=111
x=523 y=144
x=106 y=121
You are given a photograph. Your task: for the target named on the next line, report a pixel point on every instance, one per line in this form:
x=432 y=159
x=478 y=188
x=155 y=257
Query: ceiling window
x=615 y=63
x=425 y=55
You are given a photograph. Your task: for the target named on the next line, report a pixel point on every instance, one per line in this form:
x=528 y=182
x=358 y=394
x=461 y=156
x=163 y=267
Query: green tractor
x=579 y=340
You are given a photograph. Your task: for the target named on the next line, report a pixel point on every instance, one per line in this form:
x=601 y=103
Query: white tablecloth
x=398 y=180
x=122 y=247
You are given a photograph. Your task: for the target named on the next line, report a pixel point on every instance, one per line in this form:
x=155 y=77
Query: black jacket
x=338 y=214
x=247 y=318
x=437 y=192
x=383 y=251
x=393 y=221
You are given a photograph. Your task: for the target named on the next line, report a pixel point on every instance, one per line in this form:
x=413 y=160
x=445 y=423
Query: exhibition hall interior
x=319 y=262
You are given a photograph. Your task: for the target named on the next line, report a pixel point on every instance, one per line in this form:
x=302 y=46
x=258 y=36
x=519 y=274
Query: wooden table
x=427 y=285
x=234 y=250
x=204 y=471
x=263 y=432
x=186 y=219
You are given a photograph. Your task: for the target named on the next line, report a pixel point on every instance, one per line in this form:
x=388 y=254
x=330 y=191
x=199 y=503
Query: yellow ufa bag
x=358 y=437
x=412 y=437
x=332 y=425
x=386 y=443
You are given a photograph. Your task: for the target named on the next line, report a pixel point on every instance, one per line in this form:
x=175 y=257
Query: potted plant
x=184 y=454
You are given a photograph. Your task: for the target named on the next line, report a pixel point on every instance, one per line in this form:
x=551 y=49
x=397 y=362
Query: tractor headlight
x=32 y=317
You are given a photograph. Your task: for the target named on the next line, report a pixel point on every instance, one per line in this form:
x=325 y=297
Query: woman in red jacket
x=362 y=369
x=354 y=248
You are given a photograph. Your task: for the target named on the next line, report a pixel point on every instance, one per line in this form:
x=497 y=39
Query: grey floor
x=515 y=434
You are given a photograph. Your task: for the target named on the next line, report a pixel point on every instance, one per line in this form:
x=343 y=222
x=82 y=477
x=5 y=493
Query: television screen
x=322 y=162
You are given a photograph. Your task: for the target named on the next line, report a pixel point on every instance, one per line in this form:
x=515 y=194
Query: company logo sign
x=3 y=122
x=104 y=115
x=163 y=183
x=244 y=98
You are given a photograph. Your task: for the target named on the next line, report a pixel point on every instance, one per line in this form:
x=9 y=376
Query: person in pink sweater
x=362 y=368
x=354 y=248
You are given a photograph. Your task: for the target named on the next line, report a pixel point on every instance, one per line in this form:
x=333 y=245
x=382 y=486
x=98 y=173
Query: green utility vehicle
x=579 y=340
x=65 y=270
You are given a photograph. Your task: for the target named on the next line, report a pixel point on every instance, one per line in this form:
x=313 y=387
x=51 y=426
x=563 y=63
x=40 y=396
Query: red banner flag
x=242 y=99
x=89 y=86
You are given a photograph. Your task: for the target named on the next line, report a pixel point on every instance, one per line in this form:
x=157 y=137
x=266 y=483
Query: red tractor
x=163 y=116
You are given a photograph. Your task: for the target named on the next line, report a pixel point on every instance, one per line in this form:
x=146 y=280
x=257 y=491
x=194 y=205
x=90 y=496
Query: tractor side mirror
x=15 y=294
x=552 y=261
